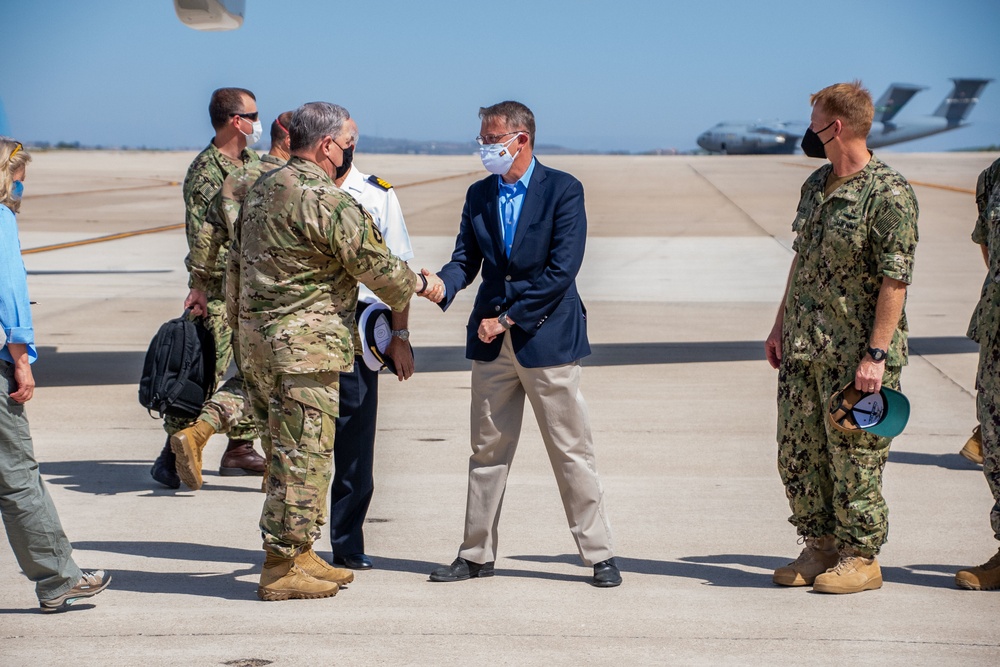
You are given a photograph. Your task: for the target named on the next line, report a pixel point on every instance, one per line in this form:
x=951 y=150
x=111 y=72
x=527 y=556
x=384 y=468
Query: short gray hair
x=514 y=115
x=313 y=121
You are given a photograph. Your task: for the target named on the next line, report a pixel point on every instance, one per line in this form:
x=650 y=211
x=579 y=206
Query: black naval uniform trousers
x=353 y=457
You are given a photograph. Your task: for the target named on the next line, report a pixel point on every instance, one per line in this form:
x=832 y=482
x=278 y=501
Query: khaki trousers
x=498 y=391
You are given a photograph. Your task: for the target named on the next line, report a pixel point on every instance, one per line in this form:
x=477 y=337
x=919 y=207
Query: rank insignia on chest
x=375 y=180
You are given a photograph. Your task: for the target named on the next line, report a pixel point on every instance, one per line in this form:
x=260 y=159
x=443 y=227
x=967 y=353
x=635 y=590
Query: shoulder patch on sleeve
x=886 y=222
x=375 y=180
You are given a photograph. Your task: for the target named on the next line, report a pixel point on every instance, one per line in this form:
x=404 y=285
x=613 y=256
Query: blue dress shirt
x=510 y=199
x=15 y=309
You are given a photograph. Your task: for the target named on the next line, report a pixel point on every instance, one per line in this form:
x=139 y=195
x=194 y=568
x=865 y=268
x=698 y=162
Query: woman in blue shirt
x=33 y=528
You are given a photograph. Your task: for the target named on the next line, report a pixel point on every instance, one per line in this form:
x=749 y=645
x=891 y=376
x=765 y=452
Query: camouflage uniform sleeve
x=980 y=232
x=362 y=250
x=893 y=232
x=801 y=215
x=232 y=283
x=988 y=202
x=207 y=246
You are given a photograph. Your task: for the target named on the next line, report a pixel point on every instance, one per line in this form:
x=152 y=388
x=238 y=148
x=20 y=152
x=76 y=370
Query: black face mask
x=348 y=159
x=812 y=145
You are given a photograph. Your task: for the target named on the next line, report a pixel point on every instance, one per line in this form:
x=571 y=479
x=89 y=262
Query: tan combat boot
x=818 y=556
x=282 y=579
x=852 y=574
x=973 y=449
x=985 y=577
x=315 y=566
x=187 y=446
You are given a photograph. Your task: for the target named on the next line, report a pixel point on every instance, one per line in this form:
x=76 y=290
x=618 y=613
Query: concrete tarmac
x=686 y=262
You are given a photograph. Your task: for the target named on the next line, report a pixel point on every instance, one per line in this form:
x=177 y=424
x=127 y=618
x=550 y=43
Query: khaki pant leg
x=561 y=412
x=496 y=412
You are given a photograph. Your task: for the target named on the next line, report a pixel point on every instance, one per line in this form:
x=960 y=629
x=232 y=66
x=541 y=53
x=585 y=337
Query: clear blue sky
x=631 y=75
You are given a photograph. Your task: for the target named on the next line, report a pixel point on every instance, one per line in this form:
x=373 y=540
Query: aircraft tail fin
x=894 y=99
x=960 y=101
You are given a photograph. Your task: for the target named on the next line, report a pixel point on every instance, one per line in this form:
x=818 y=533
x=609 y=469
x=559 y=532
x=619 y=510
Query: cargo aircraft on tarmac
x=783 y=137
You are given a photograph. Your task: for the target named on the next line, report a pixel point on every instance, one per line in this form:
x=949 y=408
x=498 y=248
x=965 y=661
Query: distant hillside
x=373 y=145
x=408 y=147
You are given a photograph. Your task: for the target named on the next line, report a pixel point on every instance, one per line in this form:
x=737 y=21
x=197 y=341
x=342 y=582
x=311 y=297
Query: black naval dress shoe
x=461 y=570
x=354 y=562
x=606 y=574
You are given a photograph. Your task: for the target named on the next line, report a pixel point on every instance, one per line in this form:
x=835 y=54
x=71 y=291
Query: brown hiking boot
x=282 y=579
x=315 y=566
x=240 y=459
x=187 y=445
x=973 y=449
x=818 y=556
x=853 y=574
x=985 y=577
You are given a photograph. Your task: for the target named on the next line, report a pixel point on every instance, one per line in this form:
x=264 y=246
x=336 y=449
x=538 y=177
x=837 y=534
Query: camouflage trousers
x=228 y=409
x=988 y=409
x=833 y=480
x=298 y=414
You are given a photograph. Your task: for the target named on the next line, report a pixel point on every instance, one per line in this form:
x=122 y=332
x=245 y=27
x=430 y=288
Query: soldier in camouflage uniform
x=303 y=247
x=985 y=329
x=841 y=320
x=233 y=112
x=229 y=406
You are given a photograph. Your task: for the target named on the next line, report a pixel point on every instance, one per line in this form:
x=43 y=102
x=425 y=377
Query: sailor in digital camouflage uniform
x=303 y=246
x=229 y=408
x=841 y=320
x=233 y=112
x=985 y=329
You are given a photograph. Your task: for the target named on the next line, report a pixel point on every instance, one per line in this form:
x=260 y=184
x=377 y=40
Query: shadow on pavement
x=217 y=584
x=713 y=570
x=948 y=461
x=70 y=369
x=108 y=478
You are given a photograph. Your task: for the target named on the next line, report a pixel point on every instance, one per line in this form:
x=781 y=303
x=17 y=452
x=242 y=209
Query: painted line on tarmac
x=100 y=239
x=167 y=228
x=164 y=184
x=949 y=188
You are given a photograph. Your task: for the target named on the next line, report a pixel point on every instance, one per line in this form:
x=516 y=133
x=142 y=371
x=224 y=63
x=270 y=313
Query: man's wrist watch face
x=401 y=334
x=504 y=322
x=876 y=353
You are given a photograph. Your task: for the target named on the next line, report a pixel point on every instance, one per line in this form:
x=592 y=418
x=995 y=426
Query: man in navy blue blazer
x=525 y=229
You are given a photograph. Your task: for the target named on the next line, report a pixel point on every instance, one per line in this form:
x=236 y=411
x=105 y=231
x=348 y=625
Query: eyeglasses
x=249 y=116
x=482 y=139
x=14 y=152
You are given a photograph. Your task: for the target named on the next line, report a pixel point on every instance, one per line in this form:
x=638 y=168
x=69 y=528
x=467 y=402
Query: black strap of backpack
x=186 y=367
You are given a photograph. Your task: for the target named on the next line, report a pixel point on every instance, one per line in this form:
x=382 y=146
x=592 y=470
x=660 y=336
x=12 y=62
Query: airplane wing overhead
x=963 y=97
x=893 y=100
x=211 y=15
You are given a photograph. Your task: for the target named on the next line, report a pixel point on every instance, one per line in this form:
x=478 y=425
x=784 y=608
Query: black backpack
x=179 y=371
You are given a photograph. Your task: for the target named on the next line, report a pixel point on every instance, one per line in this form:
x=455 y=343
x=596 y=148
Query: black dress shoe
x=354 y=562
x=164 y=468
x=606 y=574
x=461 y=570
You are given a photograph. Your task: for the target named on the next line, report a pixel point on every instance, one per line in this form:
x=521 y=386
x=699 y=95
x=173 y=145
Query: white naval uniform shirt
x=384 y=209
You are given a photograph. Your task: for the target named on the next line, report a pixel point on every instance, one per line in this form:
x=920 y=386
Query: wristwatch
x=401 y=334
x=876 y=354
x=504 y=322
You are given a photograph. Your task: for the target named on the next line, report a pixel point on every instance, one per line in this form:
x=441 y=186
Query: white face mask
x=496 y=158
x=256 y=134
